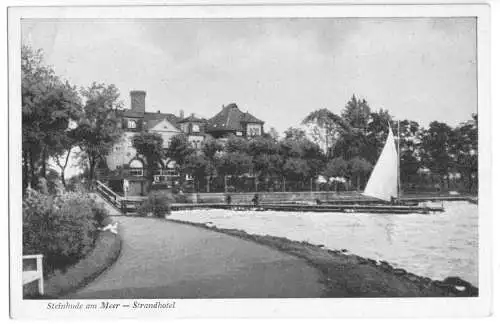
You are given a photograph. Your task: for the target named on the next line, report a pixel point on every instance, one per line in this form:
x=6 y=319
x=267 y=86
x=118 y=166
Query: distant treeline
x=57 y=118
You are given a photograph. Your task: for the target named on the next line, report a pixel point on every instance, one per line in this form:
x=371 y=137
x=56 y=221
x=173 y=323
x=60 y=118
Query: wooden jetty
x=324 y=208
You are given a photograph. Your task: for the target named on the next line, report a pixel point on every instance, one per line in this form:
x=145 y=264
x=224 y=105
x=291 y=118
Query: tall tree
x=98 y=129
x=266 y=158
x=48 y=106
x=357 y=113
x=436 y=145
x=149 y=146
x=410 y=140
x=178 y=151
x=324 y=127
x=465 y=152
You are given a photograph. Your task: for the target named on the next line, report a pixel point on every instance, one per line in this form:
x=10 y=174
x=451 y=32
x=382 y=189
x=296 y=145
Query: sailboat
x=384 y=180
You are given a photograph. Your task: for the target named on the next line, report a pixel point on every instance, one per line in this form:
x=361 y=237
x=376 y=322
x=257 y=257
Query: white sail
x=383 y=182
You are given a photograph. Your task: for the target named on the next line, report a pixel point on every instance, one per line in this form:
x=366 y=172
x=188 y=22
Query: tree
x=357 y=113
x=178 y=151
x=436 y=146
x=62 y=154
x=273 y=134
x=410 y=135
x=199 y=166
x=296 y=169
x=211 y=147
x=465 y=152
x=359 y=168
x=49 y=104
x=235 y=164
x=267 y=161
x=150 y=146
x=324 y=127
x=295 y=134
x=337 y=167
x=236 y=144
x=376 y=134
x=98 y=129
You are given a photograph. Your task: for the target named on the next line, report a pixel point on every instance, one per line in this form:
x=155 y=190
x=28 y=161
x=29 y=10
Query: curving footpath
x=162 y=259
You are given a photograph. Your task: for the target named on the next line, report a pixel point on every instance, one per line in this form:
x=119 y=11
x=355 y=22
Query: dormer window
x=131 y=124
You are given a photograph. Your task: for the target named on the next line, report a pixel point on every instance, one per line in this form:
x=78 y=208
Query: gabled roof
x=163 y=125
x=154 y=118
x=230 y=118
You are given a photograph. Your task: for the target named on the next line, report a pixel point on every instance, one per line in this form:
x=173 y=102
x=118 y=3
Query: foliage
x=235 y=164
x=437 y=147
x=158 y=204
x=357 y=113
x=150 y=146
x=99 y=127
x=179 y=150
x=359 y=169
x=266 y=156
x=199 y=166
x=49 y=104
x=337 y=167
x=324 y=127
x=293 y=133
x=62 y=228
x=106 y=251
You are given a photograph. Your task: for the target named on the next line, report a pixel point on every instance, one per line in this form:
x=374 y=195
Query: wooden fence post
x=39 y=268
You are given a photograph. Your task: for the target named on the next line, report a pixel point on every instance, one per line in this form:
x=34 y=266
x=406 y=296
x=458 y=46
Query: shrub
x=62 y=228
x=157 y=204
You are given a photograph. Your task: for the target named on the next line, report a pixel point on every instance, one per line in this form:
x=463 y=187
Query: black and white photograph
x=166 y=155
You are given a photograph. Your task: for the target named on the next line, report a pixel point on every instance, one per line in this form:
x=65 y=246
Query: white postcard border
x=298 y=308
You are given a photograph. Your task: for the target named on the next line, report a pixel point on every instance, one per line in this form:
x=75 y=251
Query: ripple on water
x=435 y=245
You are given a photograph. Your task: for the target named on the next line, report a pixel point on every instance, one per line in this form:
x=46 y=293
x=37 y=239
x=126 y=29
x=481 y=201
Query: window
x=253 y=130
x=131 y=124
x=136 y=168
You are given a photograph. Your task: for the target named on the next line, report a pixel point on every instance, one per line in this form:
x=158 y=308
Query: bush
x=62 y=228
x=106 y=251
x=156 y=204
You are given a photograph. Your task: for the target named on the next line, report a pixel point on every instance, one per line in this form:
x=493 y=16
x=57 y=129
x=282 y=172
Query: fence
x=124 y=204
x=31 y=275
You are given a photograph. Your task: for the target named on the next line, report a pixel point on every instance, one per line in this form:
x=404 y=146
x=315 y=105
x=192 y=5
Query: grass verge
x=347 y=275
x=106 y=251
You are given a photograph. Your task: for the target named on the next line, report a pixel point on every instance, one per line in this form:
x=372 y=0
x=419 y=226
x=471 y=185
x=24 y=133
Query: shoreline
x=348 y=275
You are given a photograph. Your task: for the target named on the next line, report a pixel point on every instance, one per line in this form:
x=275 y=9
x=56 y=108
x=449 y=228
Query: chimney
x=138 y=100
x=181 y=114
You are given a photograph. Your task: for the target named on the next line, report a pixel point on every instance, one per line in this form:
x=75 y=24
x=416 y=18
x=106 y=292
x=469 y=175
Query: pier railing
x=124 y=204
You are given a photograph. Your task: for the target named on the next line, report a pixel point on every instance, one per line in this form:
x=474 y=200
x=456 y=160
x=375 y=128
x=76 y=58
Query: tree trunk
x=44 y=163
x=63 y=181
x=25 y=170
x=32 y=170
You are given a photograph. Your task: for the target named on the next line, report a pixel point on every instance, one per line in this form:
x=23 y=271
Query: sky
x=279 y=69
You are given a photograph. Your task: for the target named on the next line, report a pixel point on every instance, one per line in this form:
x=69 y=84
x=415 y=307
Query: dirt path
x=161 y=259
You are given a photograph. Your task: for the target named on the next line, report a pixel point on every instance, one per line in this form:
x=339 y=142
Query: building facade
x=125 y=166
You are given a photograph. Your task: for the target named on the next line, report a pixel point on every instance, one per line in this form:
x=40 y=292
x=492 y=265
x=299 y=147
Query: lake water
x=434 y=245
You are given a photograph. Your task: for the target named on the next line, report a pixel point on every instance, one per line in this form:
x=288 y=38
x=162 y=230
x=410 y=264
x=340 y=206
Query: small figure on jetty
x=228 y=199
x=255 y=200
x=318 y=202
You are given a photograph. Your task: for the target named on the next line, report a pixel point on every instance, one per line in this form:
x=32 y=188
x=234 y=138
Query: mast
x=399 y=166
